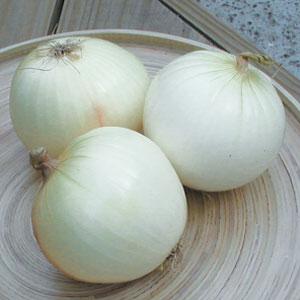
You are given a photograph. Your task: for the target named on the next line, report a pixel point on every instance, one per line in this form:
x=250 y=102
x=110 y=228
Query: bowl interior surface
x=241 y=244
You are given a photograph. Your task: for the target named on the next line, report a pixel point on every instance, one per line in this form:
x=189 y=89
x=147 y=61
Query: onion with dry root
x=111 y=208
x=218 y=119
x=68 y=86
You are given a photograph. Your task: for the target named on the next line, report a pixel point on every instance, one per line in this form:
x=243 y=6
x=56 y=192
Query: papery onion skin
x=112 y=210
x=219 y=125
x=57 y=95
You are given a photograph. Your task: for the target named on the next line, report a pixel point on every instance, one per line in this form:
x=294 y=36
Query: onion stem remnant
x=41 y=161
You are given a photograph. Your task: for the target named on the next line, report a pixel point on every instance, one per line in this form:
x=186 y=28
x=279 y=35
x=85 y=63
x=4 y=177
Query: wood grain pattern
x=227 y=38
x=242 y=244
x=24 y=19
x=128 y=14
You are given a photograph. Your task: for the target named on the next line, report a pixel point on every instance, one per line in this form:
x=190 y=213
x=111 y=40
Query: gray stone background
x=272 y=25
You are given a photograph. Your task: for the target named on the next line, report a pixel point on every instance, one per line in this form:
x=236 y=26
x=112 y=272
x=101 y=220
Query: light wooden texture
x=129 y=14
x=242 y=244
x=226 y=38
x=24 y=19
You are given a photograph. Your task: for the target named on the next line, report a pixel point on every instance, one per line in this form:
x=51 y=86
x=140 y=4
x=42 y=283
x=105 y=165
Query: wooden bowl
x=242 y=244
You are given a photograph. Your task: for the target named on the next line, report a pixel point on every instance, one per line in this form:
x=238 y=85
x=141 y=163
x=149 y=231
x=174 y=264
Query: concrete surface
x=272 y=25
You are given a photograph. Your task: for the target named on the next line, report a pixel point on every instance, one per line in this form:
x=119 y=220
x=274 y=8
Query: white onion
x=112 y=208
x=68 y=86
x=219 y=122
